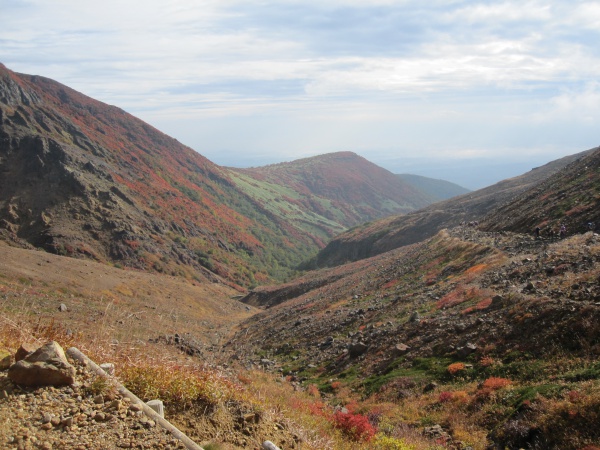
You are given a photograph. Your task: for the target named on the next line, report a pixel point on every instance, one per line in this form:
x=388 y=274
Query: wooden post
x=189 y=444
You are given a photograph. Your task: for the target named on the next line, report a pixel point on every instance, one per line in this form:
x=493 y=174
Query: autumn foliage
x=355 y=426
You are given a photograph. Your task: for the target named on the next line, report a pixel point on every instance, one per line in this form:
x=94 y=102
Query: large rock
x=399 y=350
x=47 y=366
x=357 y=348
x=465 y=351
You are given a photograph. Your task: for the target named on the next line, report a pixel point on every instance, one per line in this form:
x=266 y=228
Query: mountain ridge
x=386 y=234
x=342 y=188
x=439 y=189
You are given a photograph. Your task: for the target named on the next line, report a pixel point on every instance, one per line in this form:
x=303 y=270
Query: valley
x=324 y=303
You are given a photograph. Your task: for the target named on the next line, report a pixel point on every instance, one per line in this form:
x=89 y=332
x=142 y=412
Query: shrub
x=487 y=361
x=460 y=397
x=382 y=442
x=455 y=368
x=495 y=383
x=445 y=396
x=313 y=391
x=174 y=385
x=336 y=385
x=356 y=426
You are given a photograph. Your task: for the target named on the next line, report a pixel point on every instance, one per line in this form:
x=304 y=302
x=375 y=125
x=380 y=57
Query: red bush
x=445 y=396
x=356 y=426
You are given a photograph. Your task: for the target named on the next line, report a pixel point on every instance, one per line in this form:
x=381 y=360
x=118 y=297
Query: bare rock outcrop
x=47 y=366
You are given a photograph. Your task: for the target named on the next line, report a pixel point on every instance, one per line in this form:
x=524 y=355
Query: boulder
x=357 y=348
x=399 y=350
x=47 y=366
x=465 y=351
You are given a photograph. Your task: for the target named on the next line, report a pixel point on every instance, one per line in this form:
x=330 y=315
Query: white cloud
x=497 y=13
x=585 y=15
x=479 y=73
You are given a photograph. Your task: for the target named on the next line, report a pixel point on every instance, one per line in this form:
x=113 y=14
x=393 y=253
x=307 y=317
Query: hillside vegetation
x=453 y=327
x=84 y=179
x=330 y=192
x=380 y=236
x=493 y=336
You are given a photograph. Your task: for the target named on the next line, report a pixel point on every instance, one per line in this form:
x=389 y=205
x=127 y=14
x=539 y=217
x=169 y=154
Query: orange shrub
x=460 y=397
x=336 y=385
x=487 y=361
x=313 y=390
x=476 y=268
x=495 y=383
x=455 y=368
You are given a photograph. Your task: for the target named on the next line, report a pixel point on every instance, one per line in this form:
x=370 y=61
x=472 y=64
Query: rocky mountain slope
x=438 y=189
x=386 y=234
x=570 y=197
x=496 y=305
x=85 y=179
x=81 y=178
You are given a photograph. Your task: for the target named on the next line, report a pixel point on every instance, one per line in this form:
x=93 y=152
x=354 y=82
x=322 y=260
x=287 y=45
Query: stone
x=430 y=387
x=157 y=406
x=109 y=368
x=399 y=350
x=268 y=445
x=135 y=407
x=47 y=366
x=6 y=359
x=24 y=350
x=465 y=351
x=357 y=348
x=63 y=308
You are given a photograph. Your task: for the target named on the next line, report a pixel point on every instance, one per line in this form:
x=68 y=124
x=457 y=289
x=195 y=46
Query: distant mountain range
x=85 y=179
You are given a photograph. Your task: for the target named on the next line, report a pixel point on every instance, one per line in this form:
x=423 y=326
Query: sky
x=468 y=91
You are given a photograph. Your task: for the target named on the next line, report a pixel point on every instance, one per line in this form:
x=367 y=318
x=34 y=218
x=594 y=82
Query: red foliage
x=390 y=284
x=355 y=426
x=445 y=396
x=574 y=396
x=453 y=298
